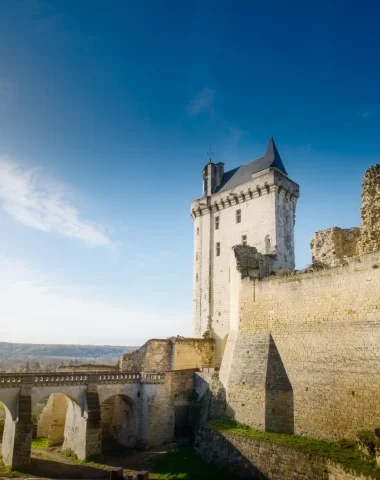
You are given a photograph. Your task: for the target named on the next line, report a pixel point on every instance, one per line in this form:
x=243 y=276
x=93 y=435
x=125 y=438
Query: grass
x=182 y=463
x=40 y=443
x=344 y=452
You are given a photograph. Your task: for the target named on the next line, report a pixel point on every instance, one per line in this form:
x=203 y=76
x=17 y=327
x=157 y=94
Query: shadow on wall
x=214 y=448
x=279 y=403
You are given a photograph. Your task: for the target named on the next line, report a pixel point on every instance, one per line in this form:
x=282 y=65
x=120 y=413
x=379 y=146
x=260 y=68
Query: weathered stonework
x=261 y=460
x=149 y=421
x=335 y=246
x=51 y=423
x=370 y=211
x=176 y=353
x=302 y=354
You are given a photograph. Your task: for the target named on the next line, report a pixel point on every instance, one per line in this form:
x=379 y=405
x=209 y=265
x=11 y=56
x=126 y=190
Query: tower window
x=218 y=249
x=196 y=277
x=244 y=239
x=197 y=230
x=216 y=223
x=238 y=216
x=196 y=257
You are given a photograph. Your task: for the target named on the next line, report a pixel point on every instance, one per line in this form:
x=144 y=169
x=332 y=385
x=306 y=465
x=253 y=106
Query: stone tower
x=253 y=204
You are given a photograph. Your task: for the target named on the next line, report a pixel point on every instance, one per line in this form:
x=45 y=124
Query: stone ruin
x=335 y=246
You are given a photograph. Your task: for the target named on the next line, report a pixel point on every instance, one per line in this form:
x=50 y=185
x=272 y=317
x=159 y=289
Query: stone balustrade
x=9 y=380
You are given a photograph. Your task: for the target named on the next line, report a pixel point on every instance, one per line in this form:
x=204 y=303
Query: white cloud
x=35 y=308
x=201 y=103
x=40 y=203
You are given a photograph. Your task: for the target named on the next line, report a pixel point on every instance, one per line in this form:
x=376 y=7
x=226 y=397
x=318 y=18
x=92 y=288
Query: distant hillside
x=19 y=357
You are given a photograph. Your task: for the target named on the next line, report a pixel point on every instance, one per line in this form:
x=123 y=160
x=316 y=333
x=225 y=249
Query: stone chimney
x=219 y=173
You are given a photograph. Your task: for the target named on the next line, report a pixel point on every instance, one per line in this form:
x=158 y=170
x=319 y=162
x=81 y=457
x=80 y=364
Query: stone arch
x=118 y=422
x=4 y=431
x=49 y=418
x=76 y=393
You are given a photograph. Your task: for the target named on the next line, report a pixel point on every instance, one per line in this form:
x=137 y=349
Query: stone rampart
x=262 y=460
x=302 y=355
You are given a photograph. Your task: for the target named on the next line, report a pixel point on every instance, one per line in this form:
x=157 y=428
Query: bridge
x=137 y=407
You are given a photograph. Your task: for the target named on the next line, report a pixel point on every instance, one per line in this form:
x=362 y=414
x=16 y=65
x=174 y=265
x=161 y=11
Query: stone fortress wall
x=302 y=355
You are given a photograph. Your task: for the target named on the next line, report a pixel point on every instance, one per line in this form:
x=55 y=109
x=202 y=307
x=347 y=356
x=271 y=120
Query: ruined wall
x=174 y=353
x=154 y=356
x=192 y=353
x=303 y=353
x=370 y=211
x=335 y=246
x=257 y=459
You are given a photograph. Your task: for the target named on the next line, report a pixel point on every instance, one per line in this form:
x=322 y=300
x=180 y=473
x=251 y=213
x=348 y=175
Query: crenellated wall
x=303 y=355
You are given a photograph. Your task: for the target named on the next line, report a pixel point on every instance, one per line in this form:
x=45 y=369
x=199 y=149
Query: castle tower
x=254 y=205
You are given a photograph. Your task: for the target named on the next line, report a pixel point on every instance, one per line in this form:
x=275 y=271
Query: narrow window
x=196 y=277
x=238 y=216
x=196 y=257
x=216 y=223
x=244 y=239
x=217 y=249
x=197 y=230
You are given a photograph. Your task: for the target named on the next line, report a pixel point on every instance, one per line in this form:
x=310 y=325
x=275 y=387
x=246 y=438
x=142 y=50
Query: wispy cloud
x=40 y=203
x=203 y=102
x=362 y=116
x=52 y=312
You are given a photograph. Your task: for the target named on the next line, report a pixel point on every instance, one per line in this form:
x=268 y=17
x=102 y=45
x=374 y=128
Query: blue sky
x=107 y=110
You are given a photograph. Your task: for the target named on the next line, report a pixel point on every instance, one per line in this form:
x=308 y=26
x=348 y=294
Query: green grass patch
x=344 y=452
x=183 y=464
x=40 y=443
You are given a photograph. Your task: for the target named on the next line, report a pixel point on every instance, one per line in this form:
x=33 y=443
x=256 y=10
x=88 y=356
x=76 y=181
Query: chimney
x=219 y=173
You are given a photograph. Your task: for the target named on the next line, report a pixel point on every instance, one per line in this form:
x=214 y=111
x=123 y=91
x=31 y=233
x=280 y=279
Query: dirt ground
x=50 y=463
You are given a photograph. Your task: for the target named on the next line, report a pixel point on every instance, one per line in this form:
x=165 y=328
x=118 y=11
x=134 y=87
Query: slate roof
x=244 y=172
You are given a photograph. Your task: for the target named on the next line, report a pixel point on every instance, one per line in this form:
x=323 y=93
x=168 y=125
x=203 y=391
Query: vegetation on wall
x=345 y=452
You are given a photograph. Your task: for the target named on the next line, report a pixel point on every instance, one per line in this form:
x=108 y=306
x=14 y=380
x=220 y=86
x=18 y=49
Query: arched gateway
x=125 y=406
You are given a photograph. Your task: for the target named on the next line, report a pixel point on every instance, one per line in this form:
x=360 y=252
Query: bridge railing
x=9 y=380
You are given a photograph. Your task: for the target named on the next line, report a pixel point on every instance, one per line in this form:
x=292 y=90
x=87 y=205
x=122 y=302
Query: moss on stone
x=344 y=452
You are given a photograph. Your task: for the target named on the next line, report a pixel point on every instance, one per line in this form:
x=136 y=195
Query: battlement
x=265 y=182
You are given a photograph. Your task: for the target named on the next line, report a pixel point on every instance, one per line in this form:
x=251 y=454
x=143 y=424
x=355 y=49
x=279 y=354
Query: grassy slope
x=179 y=464
x=343 y=452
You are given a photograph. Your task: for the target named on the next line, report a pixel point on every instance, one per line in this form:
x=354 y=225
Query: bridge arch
x=8 y=431
x=49 y=416
x=76 y=393
x=119 y=422
x=9 y=398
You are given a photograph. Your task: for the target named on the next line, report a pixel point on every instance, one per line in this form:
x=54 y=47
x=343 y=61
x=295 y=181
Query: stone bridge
x=142 y=402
